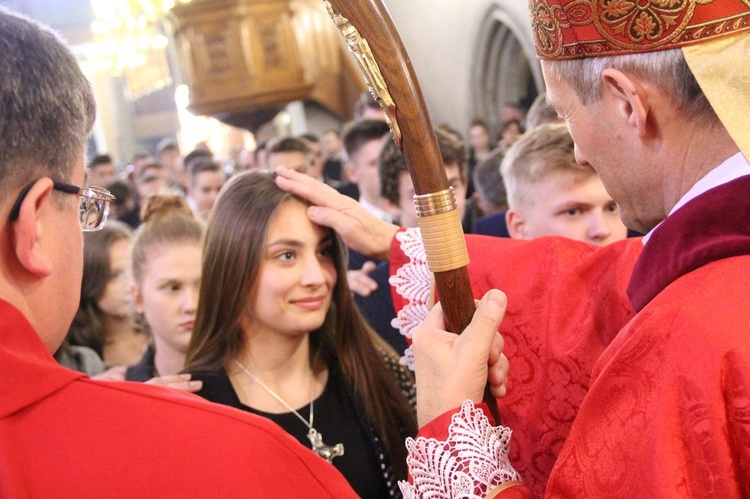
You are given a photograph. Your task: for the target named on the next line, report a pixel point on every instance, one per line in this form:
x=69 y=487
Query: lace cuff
x=412 y=282
x=470 y=463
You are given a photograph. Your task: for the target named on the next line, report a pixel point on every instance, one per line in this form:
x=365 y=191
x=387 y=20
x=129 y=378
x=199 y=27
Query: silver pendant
x=327 y=452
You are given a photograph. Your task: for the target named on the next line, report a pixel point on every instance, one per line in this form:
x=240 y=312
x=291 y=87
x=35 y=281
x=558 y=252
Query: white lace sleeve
x=412 y=281
x=470 y=464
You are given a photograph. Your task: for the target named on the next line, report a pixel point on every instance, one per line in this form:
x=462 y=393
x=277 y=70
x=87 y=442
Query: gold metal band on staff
x=442 y=234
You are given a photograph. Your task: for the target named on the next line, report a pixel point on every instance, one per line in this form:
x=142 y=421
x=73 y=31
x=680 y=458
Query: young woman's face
x=117 y=300
x=297 y=275
x=168 y=295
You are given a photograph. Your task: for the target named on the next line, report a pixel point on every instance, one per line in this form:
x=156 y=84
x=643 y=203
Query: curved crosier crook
x=374 y=41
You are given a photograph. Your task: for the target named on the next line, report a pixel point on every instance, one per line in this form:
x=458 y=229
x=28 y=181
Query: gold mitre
x=713 y=35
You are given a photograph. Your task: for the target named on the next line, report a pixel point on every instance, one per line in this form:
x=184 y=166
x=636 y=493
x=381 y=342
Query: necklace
x=327 y=452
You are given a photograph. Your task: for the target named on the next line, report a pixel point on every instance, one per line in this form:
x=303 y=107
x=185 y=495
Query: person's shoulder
x=695 y=298
x=167 y=438
x=206 y=423
x=182 y=405
x=349 y=189
x=143 y=370
x=491 y=225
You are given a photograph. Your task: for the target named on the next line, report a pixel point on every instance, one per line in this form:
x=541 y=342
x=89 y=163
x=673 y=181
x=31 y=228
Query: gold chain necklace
x=327 y=452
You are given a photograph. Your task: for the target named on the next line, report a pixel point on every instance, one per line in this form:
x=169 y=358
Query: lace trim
x=471 y=463
x=412 y=282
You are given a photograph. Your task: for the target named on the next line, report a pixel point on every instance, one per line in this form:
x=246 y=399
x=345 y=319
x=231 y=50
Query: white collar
x=731 y=169
x=381 y=214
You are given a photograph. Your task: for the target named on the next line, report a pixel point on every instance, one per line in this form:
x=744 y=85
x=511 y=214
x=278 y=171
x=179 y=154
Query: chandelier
x=125 y=33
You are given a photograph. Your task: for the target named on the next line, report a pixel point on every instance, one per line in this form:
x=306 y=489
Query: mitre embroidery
x=583 y=28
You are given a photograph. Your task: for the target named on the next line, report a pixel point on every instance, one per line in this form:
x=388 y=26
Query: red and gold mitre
x=573 y=29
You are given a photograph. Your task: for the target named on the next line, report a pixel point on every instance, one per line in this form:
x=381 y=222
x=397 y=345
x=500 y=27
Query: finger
x=340 y=221
x=118 y=369
x=498 y=344
x=169 y=378
x=186 y=386
x=368 y=267
x=435 y=318
x=359 y=283
x=367 y=282
x=305 y=186
x=359 y=289
x=498 y=373
x=498 y=391
x=482 y=330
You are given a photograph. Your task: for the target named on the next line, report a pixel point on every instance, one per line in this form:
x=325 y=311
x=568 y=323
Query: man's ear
x=516 y=223
x=350 y=172
x=137 y=298
x=29 y=230
x=630 y=98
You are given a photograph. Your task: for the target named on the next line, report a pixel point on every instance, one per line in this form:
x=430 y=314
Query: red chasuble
x=65 y=435
x=566 y=302
x=668 y=410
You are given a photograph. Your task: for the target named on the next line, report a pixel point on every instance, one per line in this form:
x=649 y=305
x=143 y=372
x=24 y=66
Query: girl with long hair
x=277 y=334
x=166 y=267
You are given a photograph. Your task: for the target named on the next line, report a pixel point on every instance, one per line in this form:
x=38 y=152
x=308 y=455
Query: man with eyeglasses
x=61 y=433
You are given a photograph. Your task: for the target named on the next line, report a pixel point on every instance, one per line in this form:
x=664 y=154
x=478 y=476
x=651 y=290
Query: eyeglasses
x=93 y=207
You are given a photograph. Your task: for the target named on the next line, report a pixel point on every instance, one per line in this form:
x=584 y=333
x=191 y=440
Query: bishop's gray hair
x=666 y=69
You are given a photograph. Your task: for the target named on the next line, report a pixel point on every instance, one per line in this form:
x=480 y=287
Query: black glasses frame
x=101 y=194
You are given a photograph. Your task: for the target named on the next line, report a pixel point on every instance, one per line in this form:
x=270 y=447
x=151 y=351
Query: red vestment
x=65 y=435
x=668 y=410
x=667 y=413
x=566 y=302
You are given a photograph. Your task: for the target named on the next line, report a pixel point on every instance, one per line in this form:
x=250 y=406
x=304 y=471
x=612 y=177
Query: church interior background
x=232 y=72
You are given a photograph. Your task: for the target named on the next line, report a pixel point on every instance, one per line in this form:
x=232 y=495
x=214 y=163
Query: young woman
x=104 y=321
x=277 y=334
x=167 y=271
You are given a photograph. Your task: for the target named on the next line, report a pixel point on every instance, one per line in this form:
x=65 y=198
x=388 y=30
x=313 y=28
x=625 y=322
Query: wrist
x=382 y=249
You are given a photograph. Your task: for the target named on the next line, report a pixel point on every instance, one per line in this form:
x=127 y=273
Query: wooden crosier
x=374 y=41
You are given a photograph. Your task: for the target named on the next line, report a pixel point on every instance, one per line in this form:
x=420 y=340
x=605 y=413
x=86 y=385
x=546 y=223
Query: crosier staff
x=374 y=41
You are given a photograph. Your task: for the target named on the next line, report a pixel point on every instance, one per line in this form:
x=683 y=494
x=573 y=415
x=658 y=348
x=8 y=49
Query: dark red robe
x=668 y=410
x=667 y=413
x=566 y=302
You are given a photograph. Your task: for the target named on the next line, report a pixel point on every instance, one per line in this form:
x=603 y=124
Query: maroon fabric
x=713 y=226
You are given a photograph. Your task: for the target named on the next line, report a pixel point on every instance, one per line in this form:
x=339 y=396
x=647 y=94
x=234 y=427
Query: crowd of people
x=273 y=308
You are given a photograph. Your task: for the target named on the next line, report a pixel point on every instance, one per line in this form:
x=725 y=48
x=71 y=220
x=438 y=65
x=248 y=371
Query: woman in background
x=104 y=321
x=277 y=334
x=166 y=266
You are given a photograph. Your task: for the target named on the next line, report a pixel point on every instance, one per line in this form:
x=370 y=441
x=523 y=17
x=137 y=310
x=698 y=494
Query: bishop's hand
x=360 y=230
x=452 y=368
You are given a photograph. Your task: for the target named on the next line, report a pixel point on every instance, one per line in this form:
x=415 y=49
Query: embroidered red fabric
x=566 y=302
x=572 y=29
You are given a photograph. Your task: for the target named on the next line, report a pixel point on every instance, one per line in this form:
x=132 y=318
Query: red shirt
x=64 y=435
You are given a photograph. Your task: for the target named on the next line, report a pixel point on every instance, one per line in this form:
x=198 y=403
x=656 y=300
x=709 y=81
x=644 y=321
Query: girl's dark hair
x=232 y=256
x=87 y=328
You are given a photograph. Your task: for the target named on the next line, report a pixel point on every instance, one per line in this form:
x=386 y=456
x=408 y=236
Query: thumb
x=480 y=333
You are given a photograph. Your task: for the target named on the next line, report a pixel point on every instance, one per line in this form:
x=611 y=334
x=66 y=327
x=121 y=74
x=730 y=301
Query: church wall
x=445 y=38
